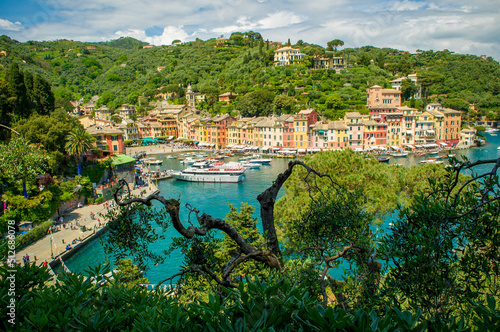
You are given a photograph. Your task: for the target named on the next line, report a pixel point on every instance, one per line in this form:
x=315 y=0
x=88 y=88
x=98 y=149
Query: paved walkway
x=42 y=250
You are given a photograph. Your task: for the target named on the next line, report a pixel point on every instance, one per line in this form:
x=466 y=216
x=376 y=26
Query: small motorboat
x=383 y=159
x=152 y=161
x=399 y=155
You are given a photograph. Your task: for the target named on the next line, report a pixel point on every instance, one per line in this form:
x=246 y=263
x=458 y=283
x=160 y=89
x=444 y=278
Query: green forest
x=123 y=72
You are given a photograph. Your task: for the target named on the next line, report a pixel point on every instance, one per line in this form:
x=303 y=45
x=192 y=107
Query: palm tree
x=78 y=142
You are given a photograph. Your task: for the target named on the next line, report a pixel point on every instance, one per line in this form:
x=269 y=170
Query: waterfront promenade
x=41 y=249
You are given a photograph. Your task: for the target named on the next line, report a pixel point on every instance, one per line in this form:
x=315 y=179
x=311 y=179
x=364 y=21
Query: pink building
x=354 y=121
x=377 y=97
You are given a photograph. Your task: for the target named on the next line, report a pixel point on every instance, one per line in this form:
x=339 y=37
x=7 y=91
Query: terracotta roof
x=449 y=110
x=309 y=111
x=353 y=115
x=103 y=131
x=338 y=125
x=436 y=113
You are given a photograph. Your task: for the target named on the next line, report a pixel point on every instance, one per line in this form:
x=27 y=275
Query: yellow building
x=287 y=55
x=240 y=132
x=447 y=124
x=300 y=131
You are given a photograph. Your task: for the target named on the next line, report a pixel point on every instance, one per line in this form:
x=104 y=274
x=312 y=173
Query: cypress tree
x=18 y=93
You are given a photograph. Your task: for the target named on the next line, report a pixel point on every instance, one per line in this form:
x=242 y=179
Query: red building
x=374 y=134
x=108 y=139
x=288 y=123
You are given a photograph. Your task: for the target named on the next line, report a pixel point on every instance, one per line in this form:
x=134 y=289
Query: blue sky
x=468 y=27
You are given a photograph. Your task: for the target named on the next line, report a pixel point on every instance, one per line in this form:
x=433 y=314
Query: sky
x=461 y=26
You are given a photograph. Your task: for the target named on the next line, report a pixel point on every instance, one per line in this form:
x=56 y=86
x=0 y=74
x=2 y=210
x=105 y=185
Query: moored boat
x=383 y=159
x=159 y=175
x=250 y=165
x=190 y=160
x=208 y=172
x=399 y=155
x=257 y=159
x=152 y=161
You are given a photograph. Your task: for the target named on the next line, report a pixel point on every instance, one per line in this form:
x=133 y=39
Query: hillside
x=122 y=71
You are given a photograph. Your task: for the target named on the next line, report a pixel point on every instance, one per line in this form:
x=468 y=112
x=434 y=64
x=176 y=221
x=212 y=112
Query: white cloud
x=275 y=20
x=278 y=20
x=134 y=33
x=407 y=5
x=9 y=26
x=170 y=33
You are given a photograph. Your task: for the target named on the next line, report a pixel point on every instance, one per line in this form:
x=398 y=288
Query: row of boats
x=219 y=172
x=208 y=170
x=436 y=159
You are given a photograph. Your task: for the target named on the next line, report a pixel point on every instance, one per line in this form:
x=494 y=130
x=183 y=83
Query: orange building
x=217 y=130
x=228 y=97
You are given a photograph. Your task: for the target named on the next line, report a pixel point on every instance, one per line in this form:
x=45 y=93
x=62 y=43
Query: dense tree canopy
x=119 y=73
x=256 y=103
x=20 y=160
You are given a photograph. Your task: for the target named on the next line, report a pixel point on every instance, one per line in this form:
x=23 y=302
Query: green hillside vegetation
x=121 y=71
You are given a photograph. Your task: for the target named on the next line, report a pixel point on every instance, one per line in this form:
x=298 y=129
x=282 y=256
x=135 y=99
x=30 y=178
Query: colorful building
x=354 y=121
x=109 y=140
x=374 y=134
x=377 y=97
x=288 y=124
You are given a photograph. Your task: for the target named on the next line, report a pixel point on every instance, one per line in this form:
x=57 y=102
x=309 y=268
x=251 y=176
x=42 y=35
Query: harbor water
x=214 y=199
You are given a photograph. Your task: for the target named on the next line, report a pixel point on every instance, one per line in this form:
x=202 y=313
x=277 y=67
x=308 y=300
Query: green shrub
x=31 y=236
x=75 y=303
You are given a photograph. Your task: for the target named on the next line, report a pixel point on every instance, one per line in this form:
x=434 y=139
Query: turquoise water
x=214 y=199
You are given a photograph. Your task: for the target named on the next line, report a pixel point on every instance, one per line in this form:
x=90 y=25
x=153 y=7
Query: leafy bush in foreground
x=105 y=305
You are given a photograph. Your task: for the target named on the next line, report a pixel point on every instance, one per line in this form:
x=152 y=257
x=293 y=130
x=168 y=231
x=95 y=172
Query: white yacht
x=211 y=172
x=257 y=159
x=152 y=161
x=248 y=164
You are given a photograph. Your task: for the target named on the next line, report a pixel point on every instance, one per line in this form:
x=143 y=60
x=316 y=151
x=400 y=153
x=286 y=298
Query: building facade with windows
x=109 y=140
x=287 y=55
x=377 y=97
